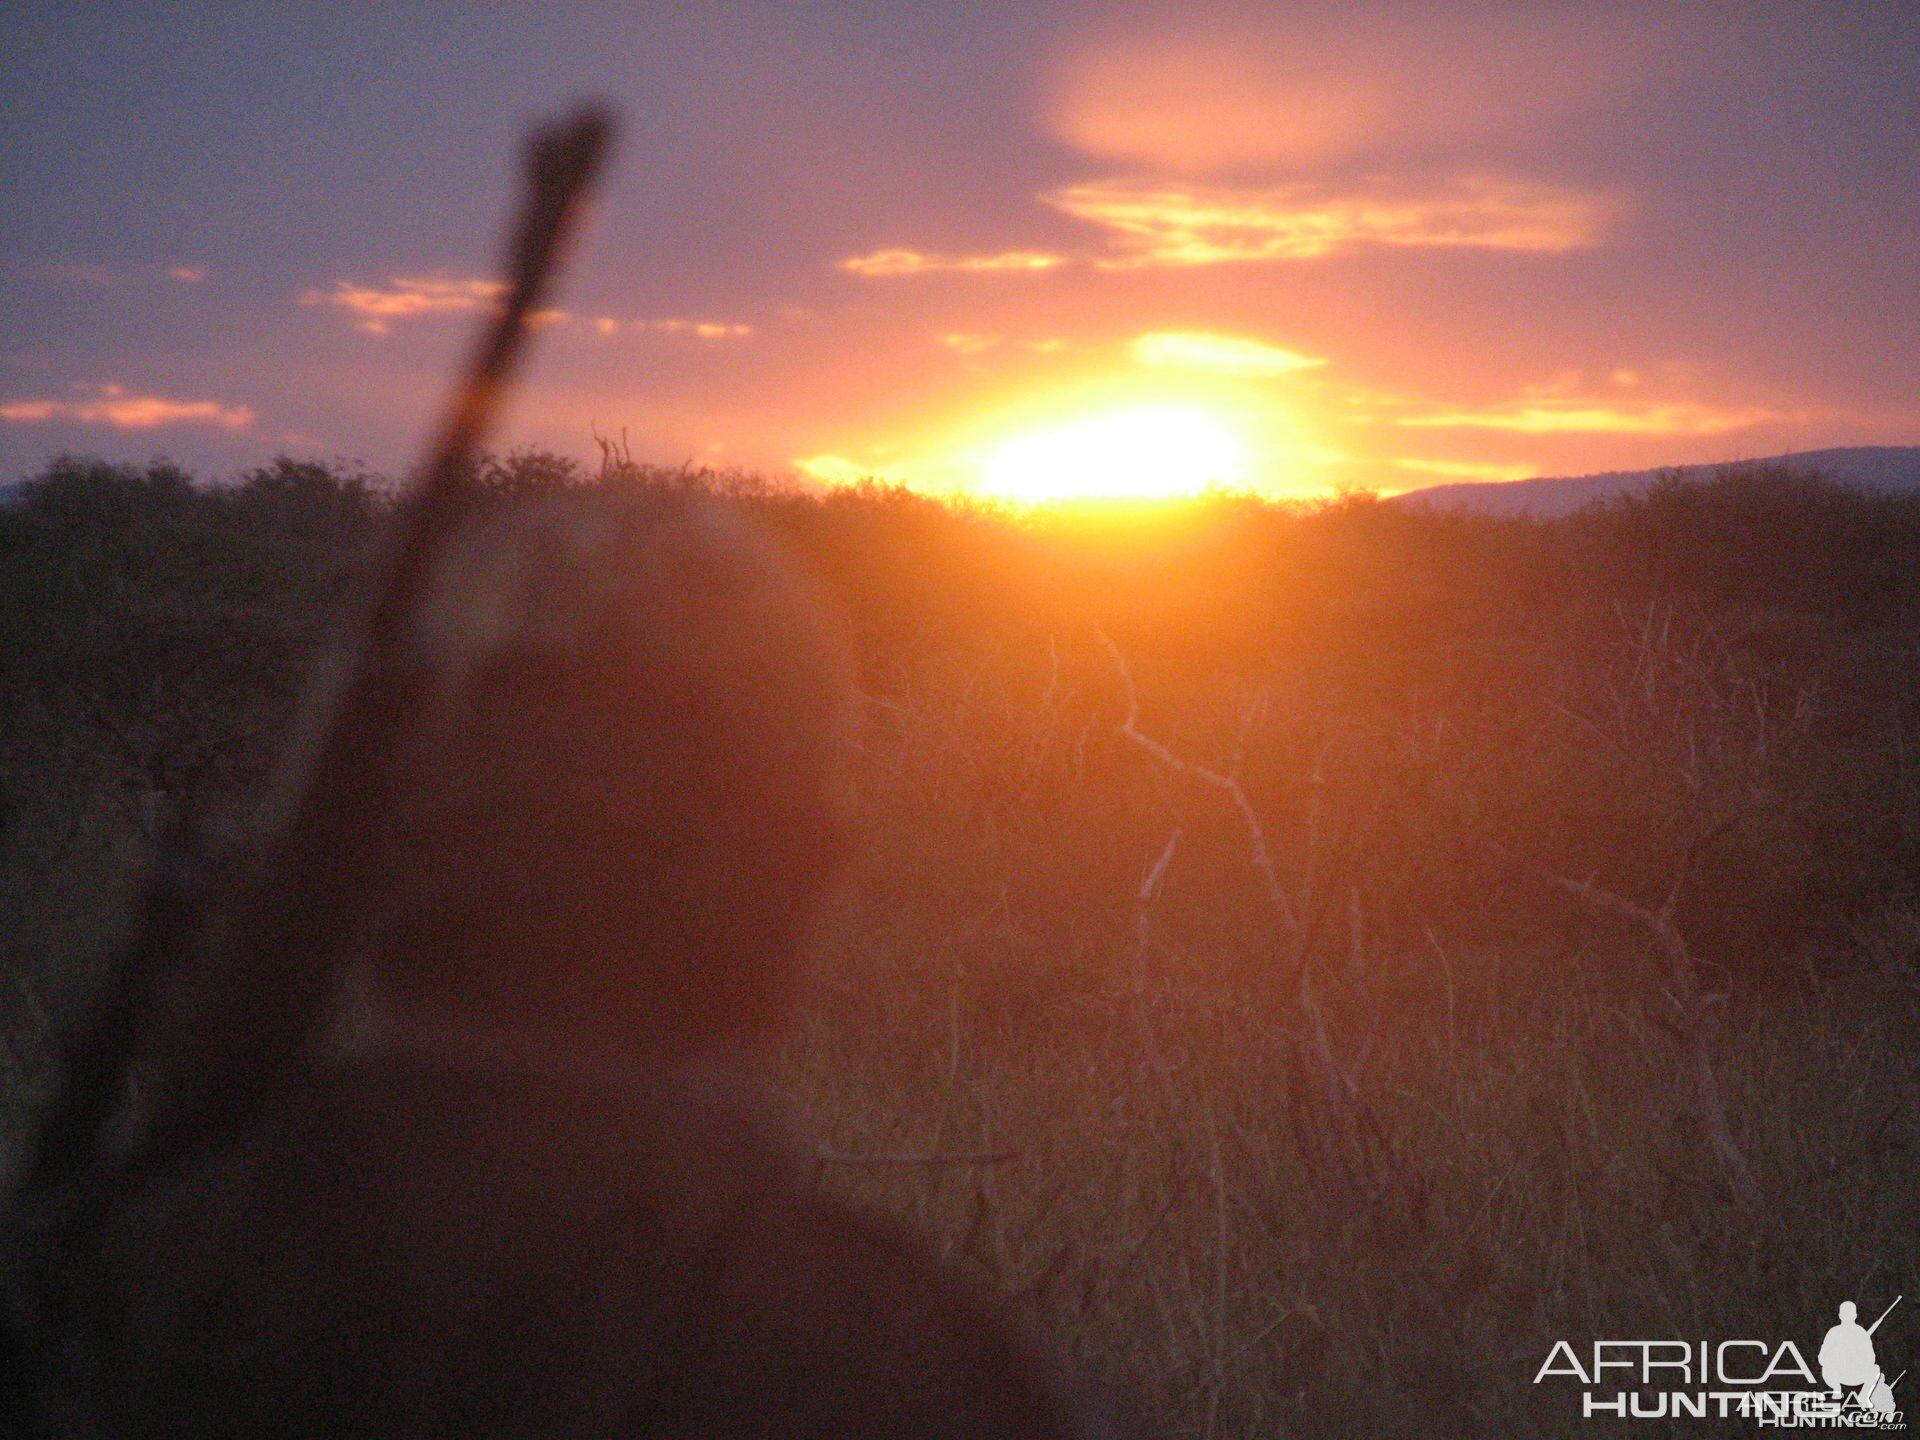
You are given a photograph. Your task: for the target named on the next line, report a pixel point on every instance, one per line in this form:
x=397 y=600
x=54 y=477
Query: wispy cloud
x=886 y=264
x=1234 y=355
x=1155 y=223
x=967 y=342
x=1152 y=223
x=697 y=329
x=1300 y=85
x=112 y=405
x=973 y=343
x=187 y=274
x=376 y=308
x=1534 y=417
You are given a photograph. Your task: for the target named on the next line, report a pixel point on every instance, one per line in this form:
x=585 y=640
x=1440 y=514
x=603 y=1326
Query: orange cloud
x=113 y=406
x=187 y=274
x=699 y=329
x=889 y=263
x=1563 y=417
x=1181 y=225
x=967 y=343
x=1233 y=355
x=1299 y=85
x=971 y=344
x=405 y=298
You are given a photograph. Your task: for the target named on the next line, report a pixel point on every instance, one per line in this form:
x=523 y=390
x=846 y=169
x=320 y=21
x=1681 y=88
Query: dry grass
x=1365 y=1205
x=1529 y=1169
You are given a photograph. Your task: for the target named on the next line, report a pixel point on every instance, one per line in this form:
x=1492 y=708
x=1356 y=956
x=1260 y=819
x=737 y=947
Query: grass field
x=1312 y=959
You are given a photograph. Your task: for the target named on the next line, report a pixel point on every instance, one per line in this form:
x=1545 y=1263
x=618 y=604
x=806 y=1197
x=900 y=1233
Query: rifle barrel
x=262 y=973
x=319 y=878
x=562 y=162
x=1884 y=1313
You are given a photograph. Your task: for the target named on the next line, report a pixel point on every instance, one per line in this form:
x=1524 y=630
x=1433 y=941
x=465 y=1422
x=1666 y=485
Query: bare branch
x=1696 y=1013
x=1143 y=908
x=1224 y=785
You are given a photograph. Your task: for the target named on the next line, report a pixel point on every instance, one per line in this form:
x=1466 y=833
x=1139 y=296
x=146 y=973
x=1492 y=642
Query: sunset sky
x=1030 y=248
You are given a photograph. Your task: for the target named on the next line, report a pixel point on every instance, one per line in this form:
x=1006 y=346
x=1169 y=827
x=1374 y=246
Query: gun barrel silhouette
x=260 y=960
x=1884 y=1313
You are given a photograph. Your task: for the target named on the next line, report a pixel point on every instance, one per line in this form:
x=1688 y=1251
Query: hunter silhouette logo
x=1767 y=1383
x=1848 y=1364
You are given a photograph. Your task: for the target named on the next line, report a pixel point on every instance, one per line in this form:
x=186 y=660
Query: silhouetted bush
x=1713 y=675
x=1706 y=692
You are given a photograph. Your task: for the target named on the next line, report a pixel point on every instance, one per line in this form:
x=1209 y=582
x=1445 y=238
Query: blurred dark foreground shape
x=444 y=1120
x=524 y=1181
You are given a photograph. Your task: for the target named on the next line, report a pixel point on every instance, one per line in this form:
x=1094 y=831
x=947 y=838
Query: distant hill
x=1874 y=467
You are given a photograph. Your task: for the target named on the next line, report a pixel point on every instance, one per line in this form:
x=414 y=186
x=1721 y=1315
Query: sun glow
x=1143 y=453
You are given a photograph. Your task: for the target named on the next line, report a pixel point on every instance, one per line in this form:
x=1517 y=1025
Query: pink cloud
x=698 y=329
x=111 y=405
x=886 y=264
x=376 y=309
x=1301 y=86
x=1150 y=223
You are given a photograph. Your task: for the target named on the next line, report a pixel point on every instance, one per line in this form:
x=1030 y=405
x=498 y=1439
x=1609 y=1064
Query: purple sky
x=1384 y=245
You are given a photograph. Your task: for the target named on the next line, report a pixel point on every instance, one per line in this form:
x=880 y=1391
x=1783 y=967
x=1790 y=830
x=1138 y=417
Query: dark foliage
x=1706 y=692
x=1721 y=675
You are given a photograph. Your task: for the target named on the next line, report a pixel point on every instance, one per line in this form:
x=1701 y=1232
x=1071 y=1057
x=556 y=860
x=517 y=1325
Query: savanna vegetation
x=1314 y=957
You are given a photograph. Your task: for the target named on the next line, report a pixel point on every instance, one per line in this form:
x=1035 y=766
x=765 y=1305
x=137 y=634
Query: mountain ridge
x=1875 y=467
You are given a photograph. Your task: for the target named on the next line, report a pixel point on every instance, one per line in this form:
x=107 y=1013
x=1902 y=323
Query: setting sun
x=1151 y=452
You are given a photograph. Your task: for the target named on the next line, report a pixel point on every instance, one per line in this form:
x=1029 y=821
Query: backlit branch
x=1696 y=1014
x=1226 y=786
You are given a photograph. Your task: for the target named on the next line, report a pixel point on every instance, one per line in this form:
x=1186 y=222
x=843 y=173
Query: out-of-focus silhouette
x=444 y=1120
x=525 y=1181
